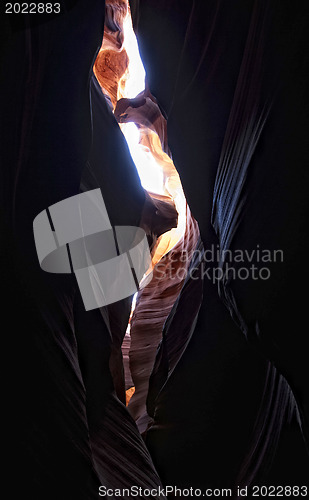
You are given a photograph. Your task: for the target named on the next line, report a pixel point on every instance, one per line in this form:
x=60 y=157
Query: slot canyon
x=191 y=118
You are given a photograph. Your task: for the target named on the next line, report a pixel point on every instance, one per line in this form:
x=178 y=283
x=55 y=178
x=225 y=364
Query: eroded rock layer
x=234 y=94
x=153 y=306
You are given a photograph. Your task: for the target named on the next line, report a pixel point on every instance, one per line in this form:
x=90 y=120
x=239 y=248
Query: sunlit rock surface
x=153 y=306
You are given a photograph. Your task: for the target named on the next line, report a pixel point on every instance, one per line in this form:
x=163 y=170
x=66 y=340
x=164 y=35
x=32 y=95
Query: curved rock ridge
x=144 y=111
x=115 y=14
x=153 y=306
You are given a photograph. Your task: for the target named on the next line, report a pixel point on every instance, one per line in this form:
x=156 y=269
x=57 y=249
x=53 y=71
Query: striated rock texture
x=153 y=306
x=232 y=80
x=112 y=60
x=109 y=67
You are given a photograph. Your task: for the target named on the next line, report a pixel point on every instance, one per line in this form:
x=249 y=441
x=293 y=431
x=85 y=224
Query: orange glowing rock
x=166 y=217
x=129 y=394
